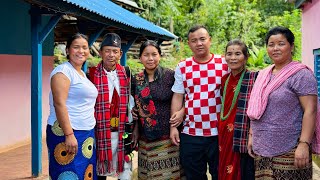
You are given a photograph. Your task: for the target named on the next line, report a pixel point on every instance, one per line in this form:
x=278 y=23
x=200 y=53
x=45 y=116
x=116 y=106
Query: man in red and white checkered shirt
x=197 y=84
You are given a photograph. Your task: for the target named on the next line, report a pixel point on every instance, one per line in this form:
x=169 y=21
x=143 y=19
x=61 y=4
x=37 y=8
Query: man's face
x=110 y=56
x=199 y=42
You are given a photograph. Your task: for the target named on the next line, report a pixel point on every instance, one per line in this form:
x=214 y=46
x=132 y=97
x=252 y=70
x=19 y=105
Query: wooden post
x=38 y=35
x=36 y=96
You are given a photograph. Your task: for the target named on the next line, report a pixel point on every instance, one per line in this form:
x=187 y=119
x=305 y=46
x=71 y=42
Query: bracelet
x=68 y=134
x=309 y=145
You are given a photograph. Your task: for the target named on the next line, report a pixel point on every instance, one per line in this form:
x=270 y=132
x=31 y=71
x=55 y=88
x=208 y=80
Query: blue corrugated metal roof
x=110 y=10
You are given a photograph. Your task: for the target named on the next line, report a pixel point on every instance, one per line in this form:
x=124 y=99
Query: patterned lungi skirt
x=71 y=166
x=281 y=167
x=159 y=160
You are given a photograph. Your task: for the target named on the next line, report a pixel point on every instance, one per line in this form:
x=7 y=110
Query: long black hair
x=149 y=43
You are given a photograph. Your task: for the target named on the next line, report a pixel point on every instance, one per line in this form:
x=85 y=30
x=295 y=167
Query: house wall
x=310 y=31
x=16 y=29
x=15 y=74
x=15 y=104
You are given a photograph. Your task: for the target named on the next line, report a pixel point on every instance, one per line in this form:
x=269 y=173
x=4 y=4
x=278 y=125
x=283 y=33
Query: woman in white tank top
x=70 y=129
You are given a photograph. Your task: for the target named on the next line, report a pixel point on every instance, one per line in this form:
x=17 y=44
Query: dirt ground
x=16 y=165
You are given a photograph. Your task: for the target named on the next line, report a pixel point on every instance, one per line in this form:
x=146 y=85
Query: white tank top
x=81 y=99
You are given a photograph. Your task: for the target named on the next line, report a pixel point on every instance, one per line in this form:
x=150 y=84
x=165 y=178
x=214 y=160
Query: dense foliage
x=135 y=65
x=248 y=20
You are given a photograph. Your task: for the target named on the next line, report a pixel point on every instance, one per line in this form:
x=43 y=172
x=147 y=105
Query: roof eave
x=69 y=8
x=300 y=3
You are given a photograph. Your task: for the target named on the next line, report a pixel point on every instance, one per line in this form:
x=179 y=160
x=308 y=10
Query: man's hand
x=174 y=136
x=177 y=118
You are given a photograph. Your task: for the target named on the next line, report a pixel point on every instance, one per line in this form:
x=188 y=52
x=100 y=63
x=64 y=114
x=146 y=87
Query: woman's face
x=150 y=58
x=78 y=51
x=279 y=49
x=235 y=58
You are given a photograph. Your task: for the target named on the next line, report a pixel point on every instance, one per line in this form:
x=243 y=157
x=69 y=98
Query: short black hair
x=244 y=47
x=280 y=30
x=196 y=27
x=149 y=43
x=73 y=37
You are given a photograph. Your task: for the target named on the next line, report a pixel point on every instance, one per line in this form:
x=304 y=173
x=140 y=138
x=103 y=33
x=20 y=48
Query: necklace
x=235 y=96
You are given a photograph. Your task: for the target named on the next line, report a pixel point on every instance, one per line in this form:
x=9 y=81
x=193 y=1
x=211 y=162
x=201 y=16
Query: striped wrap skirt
x=281 y=167
x=159 y=160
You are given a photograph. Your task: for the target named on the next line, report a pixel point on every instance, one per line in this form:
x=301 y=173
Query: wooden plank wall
x=166 y=49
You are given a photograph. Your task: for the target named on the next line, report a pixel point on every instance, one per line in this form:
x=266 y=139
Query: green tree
x=273 y=7
x=248 y=20
x=231 y=20
x=291 y=20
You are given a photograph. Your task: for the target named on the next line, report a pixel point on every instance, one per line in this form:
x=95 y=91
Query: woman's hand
x=250 y=150
x=71 y=144
x=135 y=135
x=177 y=118
x=134 y=113
x=309 y=106
x=301 y=156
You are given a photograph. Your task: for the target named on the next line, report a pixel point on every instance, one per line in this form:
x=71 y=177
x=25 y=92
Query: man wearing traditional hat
x=113 y=86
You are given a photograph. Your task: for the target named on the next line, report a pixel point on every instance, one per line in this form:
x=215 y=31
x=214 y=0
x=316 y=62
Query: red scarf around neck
x=102 y=115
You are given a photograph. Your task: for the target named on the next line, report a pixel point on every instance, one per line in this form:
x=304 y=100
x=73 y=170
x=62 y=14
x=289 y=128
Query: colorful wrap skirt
x=64 y=166
x=159 y=160
x=281 y=167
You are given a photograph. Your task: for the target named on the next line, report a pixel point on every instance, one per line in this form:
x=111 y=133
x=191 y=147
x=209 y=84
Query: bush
x=258 y=58
x=168 y=62
x=93 y=61
x=135 y=65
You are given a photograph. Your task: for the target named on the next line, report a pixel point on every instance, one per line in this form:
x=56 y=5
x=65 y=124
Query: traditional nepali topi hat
x=111 y=39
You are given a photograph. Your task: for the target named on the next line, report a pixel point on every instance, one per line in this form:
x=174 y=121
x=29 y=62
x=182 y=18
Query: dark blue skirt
x=64 y=166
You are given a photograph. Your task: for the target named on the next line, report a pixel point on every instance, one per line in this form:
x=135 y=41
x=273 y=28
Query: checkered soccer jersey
x=202 y=84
